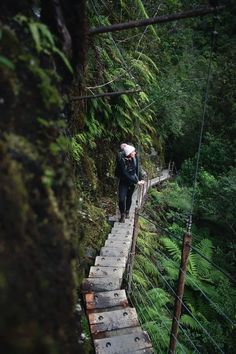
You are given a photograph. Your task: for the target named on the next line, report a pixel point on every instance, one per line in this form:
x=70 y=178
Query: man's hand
x=140 y=183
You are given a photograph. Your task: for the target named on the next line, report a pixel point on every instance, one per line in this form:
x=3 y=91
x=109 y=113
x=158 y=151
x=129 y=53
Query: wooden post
x=132 y=253
x=153 y=20
x=180 y=291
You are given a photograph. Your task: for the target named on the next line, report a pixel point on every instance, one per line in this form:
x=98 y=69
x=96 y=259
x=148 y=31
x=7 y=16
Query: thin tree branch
x=106 y=94
x=153 y=20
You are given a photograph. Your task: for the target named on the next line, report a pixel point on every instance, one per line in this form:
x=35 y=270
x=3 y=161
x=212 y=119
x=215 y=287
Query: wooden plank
x=143 y=351
x=114 y=252
x=106 y=299
x=125 y=344
x=100 y=272
x=108 y=321
x=101 y=284
x=117 y=243
x=122 y=232
x=110 y=261
x=117 y=332
x=123 y=225
x=119 y=237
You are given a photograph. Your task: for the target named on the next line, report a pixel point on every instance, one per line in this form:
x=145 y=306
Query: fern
x=142 y=9
x=138 y=278
x=43 y=39
x=147 y=266
x=172 y=248
x=189 y=321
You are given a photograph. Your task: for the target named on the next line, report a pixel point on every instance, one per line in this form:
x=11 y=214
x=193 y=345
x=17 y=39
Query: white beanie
x=128 y=149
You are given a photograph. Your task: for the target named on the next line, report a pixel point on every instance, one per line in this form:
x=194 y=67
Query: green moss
x=21 y=145
x=49 y=93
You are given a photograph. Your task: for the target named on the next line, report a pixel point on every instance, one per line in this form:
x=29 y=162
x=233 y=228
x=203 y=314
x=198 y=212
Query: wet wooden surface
x=114 y=324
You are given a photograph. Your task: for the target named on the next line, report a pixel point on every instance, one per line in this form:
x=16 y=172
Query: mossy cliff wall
x=49 y=210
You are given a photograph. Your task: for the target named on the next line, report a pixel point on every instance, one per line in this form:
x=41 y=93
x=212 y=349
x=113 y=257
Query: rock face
x=39 y=227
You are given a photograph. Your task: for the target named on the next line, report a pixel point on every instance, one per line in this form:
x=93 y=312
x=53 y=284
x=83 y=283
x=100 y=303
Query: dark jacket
x=129 y=170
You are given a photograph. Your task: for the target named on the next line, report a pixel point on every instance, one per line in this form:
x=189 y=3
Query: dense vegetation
x=57 y=162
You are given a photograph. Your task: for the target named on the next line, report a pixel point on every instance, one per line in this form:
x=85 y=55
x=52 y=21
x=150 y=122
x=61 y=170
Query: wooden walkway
x=114 y=324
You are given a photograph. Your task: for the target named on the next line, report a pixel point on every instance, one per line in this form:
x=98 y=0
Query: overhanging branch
x=106 y=94
x=153 y=20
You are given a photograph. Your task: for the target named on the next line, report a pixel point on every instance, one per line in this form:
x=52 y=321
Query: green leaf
x=64 y=58
x=6 y=62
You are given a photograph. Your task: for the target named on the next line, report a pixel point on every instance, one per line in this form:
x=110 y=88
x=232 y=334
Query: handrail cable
x=154 y=305
x=189 y=225
x=153 y=339
x=148 y=280
x=203 y=293
x=181 y=327
x=199 y=323
x=193 y=248
x=163 y=322
x=145 y=318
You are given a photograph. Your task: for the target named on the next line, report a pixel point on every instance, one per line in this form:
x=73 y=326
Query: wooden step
x=117 y=243
x=108 y=321
x=100 y=272
x=122 y=232
x=101 y=284
x=126 y=344
x=117 y=332
x=107 y=299
x=119 y=237
x=110 y=261
x=114 y=252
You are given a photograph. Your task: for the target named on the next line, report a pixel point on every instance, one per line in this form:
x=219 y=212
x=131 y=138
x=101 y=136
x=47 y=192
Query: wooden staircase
x=114 y=324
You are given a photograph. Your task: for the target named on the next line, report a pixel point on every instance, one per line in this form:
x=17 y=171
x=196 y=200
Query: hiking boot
x=122 y=218
x=127 y=214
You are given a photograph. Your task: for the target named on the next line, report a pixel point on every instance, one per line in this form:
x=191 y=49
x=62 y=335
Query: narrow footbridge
x=114 y=324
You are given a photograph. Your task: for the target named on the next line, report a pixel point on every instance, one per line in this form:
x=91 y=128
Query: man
x=129 y=176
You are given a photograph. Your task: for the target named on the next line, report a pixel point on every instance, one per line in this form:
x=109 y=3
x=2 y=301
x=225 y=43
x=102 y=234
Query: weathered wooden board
x=143 y=351
x=122 y=232
x=100 y=272
x=125 y=344
x=117 y=332
x=106 y=299
x=120 y=225
x=108 y=321
x=101 y=284
x=110 y=261
x=114 y=252
x=119 y=237
x=117 y=243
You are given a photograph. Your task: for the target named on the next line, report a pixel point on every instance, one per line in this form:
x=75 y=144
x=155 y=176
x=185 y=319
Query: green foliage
x=43 y=39
x=6 y=62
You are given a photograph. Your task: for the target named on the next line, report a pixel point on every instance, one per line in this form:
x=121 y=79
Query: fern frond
x=172 y=248
x=138 y=278
x=189 y=321
x=146 y=265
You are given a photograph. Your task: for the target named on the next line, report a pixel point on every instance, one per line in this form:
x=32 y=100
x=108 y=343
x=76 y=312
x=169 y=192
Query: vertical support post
x=132 y=253
x=187 y=239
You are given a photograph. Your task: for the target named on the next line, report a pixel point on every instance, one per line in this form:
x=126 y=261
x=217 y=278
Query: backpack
x=117 y=171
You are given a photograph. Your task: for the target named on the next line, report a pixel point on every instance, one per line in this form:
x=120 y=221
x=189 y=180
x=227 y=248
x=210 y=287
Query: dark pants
x=125 y=196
